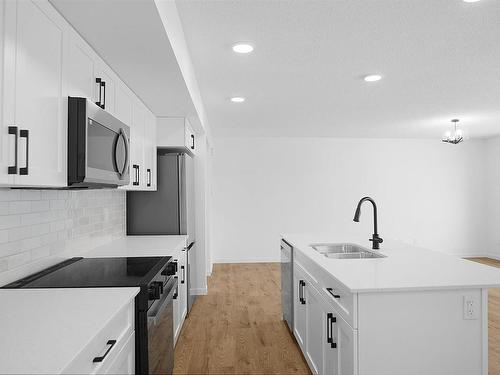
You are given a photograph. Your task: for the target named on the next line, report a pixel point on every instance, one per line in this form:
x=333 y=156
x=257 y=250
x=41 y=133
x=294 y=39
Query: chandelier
x=454 y=136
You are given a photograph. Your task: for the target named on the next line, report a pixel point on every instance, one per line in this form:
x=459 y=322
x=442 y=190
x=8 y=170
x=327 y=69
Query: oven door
x=108 y=150
x=161 y=333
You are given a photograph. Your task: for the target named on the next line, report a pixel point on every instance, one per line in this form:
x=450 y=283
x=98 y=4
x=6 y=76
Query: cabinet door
x=183 y=287
x=137 y=144
x=315 y=329
x=124 y=363
x=109 y=92
x=7 y=142
x=37 y=46
x=150 y=151
x=299 y=318
x=341 y=359
x=81 y=69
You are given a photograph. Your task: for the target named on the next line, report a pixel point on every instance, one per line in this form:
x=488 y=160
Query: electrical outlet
x=471 y=307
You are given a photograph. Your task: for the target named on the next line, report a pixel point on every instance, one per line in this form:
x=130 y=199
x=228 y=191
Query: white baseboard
x=222 y=261
x=198 y=291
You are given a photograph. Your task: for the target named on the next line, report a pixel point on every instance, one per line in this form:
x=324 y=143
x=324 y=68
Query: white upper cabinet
x=176 y=133
x=35 y=94
x=7 y=142
x=150 y=151
x=107 y=90
x=43 y=60
x=81 y=69
x=122 y=99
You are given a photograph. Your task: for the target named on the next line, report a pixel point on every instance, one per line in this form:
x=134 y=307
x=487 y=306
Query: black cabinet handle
x=330 y=320
x=176 y=293
x=136 y=175
x=103 y=84
x=192 y=140
x=111 y=343
x=183 y=274
x=25 y=134
x=330 y=290
x=302 y=299
x=149 y=177
x=99 y=83
x=13 y=131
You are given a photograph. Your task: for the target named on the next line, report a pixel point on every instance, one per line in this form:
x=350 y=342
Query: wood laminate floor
x=237 y=327
x=493 y=321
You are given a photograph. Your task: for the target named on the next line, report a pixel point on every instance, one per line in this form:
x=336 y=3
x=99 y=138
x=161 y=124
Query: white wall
x=428 y=193
x=492 y=150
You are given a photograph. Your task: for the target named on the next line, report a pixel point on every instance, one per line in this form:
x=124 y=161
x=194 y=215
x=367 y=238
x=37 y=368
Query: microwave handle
x=127 y=153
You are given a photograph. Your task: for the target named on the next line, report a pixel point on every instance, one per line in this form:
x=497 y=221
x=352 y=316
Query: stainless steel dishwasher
x=287 y=283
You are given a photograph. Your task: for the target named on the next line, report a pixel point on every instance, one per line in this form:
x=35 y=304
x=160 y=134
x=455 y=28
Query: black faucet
x=376 y=240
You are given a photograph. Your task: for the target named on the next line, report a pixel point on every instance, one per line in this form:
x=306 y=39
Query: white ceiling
x=440 y=59
x=130 y=37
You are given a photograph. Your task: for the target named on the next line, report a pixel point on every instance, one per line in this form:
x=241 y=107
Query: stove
x=153 y=304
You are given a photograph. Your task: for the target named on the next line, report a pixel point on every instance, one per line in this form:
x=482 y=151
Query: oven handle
x=122 y=134
x=154 y=319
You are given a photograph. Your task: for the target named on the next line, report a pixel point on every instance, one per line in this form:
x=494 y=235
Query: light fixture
x=237 y=99
x=455 y=135
x=372 y=78
x=242 y=48
x=471 y=1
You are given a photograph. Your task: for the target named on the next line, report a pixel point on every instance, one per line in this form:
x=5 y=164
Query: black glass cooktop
x=96 y=272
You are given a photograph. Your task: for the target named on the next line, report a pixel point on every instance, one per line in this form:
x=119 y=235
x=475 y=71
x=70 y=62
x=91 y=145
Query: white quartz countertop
x=139 y=246
x=42 y=330
x=406 y=267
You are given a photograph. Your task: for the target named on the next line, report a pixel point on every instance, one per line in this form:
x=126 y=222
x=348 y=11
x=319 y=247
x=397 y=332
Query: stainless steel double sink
x=345 y=251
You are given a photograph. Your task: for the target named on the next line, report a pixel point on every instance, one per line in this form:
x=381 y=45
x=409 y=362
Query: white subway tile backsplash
x=40 y=206
x=36 y=224
x=19 y=207
x=31 y=195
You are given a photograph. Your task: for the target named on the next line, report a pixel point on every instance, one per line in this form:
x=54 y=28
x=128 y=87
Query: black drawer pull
x=13 y=131
x=330 y=290
x=302 y=284
x=149 y=177
x=25 y=134
x=330 y=321
x=111 y=343
x=183 y=274
x=192 y=140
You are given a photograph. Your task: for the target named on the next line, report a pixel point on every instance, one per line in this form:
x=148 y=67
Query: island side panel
x=424 y=332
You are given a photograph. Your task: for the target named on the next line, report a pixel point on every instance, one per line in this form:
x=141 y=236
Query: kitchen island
x=412 y=311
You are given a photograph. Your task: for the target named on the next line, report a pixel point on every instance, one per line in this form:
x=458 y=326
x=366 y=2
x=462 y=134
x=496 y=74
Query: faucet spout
x=376 y=239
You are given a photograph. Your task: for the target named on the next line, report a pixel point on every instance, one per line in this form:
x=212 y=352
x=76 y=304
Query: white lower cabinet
x=112 y=350
x=180 y=302
x=124 y=363
x=328 y=342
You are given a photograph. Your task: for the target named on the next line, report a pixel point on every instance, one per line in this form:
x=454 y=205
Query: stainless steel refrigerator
x=170 y=209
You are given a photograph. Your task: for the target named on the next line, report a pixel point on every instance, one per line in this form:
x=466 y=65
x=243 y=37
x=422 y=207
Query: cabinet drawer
x=124 y=362
x=333 y=292
x=119 y=328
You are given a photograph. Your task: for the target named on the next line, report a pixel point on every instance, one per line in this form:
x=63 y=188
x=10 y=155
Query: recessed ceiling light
x=372 y=78
x=242 y=48
x=238 y=99
x=471 y=1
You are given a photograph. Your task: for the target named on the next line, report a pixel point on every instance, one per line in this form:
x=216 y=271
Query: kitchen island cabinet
x=414 y=311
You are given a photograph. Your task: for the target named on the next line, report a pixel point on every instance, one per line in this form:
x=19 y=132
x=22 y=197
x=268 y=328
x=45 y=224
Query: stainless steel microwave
x=98 y=146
